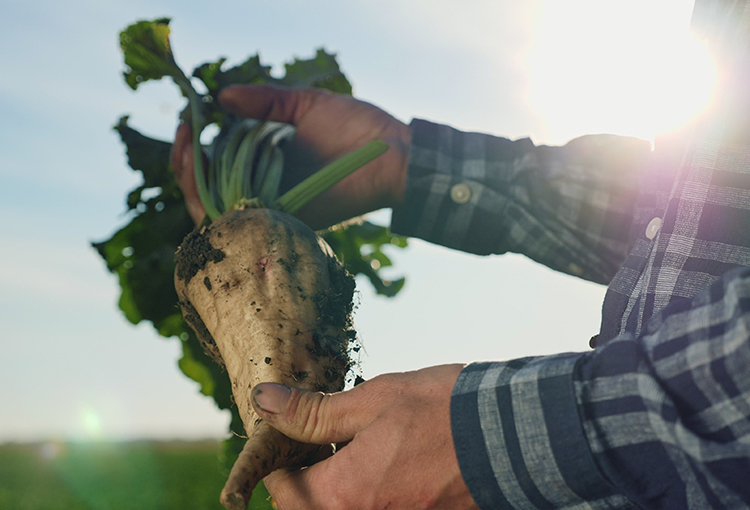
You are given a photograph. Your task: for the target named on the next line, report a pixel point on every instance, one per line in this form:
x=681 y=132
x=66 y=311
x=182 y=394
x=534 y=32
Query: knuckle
x=386 y=385
x=308 y=415
x=291 y=104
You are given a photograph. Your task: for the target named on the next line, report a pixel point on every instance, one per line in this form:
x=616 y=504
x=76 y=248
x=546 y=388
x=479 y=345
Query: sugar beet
x=271 y=303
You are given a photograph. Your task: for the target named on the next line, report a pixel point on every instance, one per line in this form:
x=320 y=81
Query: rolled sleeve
x=659 y=420
x=519 y=438
x=569 y=208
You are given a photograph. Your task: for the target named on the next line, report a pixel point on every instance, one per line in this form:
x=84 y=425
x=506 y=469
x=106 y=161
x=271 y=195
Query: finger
x=182 y=161
x=181 y=158
x=314 y=417
x=181 y=140
x=303 y=489
x=289 y=489
x=189 y=187
x=331 y=483
x=266 y=102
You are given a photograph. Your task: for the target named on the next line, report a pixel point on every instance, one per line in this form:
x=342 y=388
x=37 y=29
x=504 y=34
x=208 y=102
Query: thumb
x=306 y=416
x=268 y=102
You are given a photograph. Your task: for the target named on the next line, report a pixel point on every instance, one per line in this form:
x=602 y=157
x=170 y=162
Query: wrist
x=396 y=185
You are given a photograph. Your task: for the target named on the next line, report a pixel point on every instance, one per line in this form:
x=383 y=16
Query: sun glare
x=626 y=68
x=92 y=424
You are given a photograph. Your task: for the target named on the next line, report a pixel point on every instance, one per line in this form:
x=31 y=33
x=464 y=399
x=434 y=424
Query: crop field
x=112 y=476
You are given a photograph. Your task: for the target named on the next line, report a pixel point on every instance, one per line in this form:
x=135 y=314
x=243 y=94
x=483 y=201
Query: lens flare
x=92 y=424
x=604 y=67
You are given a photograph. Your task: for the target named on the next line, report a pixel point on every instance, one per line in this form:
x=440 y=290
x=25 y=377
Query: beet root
x=271 y=303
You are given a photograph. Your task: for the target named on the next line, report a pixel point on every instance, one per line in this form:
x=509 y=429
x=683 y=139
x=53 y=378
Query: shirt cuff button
x=653 y=228
x=460 y=193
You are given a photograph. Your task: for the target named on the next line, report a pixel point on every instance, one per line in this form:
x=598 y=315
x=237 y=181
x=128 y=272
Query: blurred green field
x=114 y=476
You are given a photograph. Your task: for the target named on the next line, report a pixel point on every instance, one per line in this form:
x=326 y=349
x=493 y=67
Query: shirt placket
x=625 y=304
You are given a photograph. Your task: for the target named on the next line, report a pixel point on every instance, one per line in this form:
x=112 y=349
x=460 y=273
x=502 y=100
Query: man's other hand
x=397 y=448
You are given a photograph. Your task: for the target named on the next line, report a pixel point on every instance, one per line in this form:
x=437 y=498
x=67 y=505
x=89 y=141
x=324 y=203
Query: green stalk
x=198 y=123
x=240 y=168
x=297 y=197
x=228 y=156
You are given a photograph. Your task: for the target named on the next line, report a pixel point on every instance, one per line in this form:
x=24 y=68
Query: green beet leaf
x=148 y=55
x=360 y=246
x=322 y=71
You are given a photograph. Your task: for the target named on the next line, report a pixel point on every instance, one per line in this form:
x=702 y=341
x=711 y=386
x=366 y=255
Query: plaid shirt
x=658 y=415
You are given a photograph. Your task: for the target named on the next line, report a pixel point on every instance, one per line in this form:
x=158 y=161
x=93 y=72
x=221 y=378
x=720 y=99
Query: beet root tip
x=233 y=501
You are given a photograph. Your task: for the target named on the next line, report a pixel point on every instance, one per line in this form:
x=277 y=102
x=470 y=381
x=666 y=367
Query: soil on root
x=334 y=304
x=194 y=253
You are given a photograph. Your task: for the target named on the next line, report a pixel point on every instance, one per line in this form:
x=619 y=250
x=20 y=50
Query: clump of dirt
x=335 y=305
x=194 y=253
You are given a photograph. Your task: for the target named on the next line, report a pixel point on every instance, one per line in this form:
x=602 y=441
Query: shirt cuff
x=519 y=438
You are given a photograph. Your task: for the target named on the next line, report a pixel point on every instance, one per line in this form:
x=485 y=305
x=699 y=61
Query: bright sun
x=630 y=68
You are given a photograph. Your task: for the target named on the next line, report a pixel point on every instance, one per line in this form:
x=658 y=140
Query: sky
x=72 y=367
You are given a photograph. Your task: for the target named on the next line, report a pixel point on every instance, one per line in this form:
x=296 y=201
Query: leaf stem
x=198 y=123
x=297 y=197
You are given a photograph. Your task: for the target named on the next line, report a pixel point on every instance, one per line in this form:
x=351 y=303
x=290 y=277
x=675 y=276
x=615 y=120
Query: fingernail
x=271 y=397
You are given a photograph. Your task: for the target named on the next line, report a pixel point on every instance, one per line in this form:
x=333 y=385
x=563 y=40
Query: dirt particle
x=301 y=293
x=207 y=282
x=268 y=361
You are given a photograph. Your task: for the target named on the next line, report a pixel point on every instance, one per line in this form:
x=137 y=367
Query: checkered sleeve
x=661 y=420
x=570 y=208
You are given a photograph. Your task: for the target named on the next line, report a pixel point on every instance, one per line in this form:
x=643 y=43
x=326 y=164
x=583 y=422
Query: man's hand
x=398 y=449
x=328 y=127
